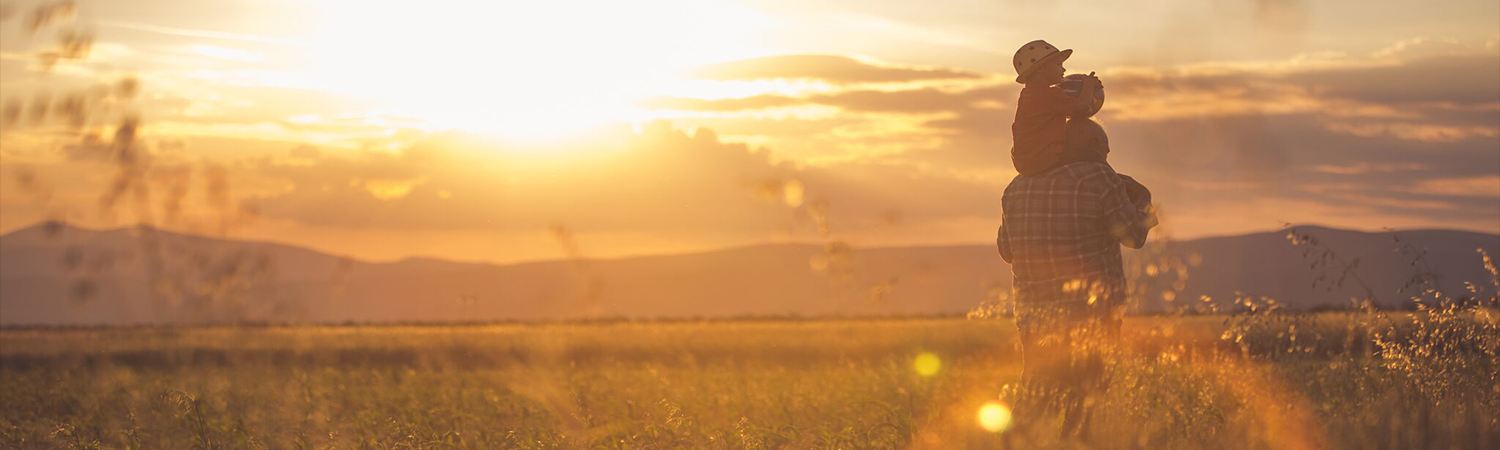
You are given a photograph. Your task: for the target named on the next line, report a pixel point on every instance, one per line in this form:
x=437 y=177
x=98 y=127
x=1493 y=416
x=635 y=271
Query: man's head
x=1039 y=63
x=1085 y=141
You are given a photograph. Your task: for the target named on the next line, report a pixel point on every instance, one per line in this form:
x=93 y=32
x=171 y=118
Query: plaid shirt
x=1061 y=232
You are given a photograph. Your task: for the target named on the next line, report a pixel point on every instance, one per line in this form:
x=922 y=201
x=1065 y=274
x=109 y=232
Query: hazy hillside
x=61 y=274
x=1268 y=264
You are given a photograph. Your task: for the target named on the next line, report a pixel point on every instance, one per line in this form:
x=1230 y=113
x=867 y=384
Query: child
x=1052 y=127
x=1043 y=109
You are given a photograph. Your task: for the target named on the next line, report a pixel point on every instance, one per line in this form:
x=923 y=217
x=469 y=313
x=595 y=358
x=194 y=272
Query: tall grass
x=738 y=385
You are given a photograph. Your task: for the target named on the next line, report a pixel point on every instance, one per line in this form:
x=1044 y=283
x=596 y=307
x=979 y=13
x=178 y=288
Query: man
x=1061 y=232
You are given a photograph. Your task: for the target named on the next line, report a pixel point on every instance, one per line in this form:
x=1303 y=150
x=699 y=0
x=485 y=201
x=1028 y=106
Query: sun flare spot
x=994 y=417
x=927 y=364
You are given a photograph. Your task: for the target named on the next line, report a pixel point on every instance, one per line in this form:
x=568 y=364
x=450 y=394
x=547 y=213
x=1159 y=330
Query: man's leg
x=1045 y=369
x=1090 y=372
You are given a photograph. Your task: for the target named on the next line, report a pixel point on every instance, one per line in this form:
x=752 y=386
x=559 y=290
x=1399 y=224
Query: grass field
x=1181 y=382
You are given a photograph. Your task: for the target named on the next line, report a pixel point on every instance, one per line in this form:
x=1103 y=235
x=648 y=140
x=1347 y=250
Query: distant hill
x=54 y=273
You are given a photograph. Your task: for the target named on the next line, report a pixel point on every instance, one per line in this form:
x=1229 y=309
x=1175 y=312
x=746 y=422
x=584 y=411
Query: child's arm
x=1086 y=95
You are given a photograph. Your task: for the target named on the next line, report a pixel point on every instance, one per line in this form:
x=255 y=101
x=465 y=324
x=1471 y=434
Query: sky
x=512 y=131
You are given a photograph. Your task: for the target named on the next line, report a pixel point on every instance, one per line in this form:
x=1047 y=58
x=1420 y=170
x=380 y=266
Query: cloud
x=661 y=181
x=1449 y=86
x=1382 y=96
x=1319 y=129
x=915 y=101
x=307 y=152
x=1464 y=79
x=864 y=123
x=1293 y=148
x=977 y=122
x=202 y=34
x=1388 y=202
x=1328 y=138
x=1481 y=186
x=727 y=104
x=387 y=190
x=223 y=53
x=907 y=101
x=829 y=68
x=1367 y=167
x=1413 y=131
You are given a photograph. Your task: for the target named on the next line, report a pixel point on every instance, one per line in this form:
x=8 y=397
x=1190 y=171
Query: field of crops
x=1178 y=382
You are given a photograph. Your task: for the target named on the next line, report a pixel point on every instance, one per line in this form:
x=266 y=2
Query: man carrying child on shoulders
x=1065 y=217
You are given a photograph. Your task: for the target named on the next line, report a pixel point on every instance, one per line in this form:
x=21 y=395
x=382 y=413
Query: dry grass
x=703 y=385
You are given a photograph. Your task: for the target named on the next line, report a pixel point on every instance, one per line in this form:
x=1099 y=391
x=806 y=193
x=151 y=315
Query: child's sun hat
x=1033 y=54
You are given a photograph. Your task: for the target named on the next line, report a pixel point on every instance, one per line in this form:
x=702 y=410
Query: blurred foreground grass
x=850 y=384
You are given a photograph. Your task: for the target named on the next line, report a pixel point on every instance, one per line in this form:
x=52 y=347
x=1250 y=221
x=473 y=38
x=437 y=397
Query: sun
x=522 y=69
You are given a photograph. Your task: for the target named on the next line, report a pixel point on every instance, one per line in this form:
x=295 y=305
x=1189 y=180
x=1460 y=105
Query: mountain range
x=55 y=273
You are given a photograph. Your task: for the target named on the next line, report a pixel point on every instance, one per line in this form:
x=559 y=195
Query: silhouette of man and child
x=1065 y=217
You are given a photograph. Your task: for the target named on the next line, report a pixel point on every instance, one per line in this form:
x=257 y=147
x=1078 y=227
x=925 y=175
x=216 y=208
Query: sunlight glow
x=523 y=69
x=994 y=417
x=927 y=364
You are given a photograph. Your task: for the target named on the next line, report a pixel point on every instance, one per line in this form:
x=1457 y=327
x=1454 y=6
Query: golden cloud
x=387 y=190
x=1487 y=186
x=1414 y=131
x=829 y=68
x=1368 y=167
x=727 y=104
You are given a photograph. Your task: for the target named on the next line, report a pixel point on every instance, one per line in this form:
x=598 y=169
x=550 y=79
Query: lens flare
x=927 y=364
x=994 y=417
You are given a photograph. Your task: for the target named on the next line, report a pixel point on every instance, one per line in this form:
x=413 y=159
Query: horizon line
x=195 y=234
